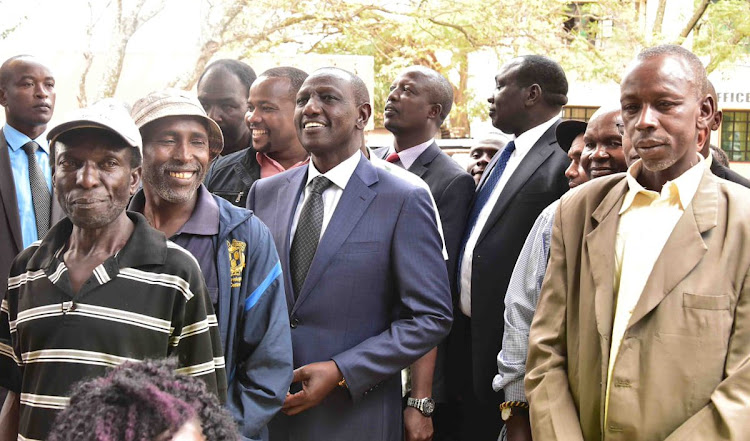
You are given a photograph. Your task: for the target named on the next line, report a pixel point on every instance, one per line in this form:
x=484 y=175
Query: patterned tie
x=483 y=195
x=39 y=191
x=393 y=158
x=307 y=236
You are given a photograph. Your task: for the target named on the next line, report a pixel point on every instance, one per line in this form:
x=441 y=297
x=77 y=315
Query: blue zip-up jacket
x=253 y=319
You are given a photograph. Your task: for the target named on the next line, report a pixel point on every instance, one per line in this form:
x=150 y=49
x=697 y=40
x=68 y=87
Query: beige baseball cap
x=175 y=102
x=108 y=114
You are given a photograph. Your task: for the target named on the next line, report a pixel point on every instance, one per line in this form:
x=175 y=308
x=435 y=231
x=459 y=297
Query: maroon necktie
x=393 y=158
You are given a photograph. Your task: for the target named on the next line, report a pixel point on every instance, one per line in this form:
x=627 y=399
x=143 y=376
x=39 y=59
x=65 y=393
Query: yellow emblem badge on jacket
x=236 y=261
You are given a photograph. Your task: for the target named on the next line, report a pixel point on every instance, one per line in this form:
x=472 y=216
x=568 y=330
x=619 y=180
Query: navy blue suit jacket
x=376 y=298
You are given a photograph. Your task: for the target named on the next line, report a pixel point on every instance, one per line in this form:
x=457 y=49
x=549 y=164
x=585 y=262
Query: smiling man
x=270 y=118
x=234 y=249
x=102 y=287
x=602 y=152
x=366 y=282
x=643 y=324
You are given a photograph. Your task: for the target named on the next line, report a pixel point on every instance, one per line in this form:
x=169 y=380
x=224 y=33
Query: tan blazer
x=683 y=370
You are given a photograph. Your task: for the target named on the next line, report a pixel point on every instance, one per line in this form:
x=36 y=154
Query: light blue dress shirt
x=19 y=164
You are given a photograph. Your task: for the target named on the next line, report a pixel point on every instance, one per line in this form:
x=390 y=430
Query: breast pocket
x=697 y=301
x=358 y=248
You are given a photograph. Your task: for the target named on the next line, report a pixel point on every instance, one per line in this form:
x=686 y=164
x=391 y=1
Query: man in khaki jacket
x=651 y=341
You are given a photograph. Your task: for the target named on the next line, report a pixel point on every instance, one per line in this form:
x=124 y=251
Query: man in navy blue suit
x=367 y=286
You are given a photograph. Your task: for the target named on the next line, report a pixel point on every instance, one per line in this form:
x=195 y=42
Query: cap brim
x=567 y=131
x=86 y=124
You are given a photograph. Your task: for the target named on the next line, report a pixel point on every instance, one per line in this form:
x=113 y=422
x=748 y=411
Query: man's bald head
x=7 y=67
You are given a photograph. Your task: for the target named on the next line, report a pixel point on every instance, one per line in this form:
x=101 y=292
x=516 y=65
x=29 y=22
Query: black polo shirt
x=147 y=301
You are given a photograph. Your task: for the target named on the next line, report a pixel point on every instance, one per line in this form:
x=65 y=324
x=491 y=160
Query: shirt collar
x=205 y=218
x=203 y=221
x=146 y=246
x=265 y=160
x=409 y=155
x=527 y=139
x=340 y=174
x=680 y=190
x=16 y=139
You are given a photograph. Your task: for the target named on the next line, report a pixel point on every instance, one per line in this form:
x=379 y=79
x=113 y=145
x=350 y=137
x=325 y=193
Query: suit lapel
x=287 y=198
x=598 y=253
x=8 y=193
x=683 y=250
x=419 y=167
x=537 y=155
x=354 y=201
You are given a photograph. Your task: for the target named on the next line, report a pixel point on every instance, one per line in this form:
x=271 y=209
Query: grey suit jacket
x=376 y=298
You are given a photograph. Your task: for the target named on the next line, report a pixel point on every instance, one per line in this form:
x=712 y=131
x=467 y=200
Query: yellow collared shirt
x=647 y=219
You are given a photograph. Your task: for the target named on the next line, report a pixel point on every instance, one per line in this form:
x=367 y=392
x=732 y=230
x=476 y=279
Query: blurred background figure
x=144 y=401
x=481 y=155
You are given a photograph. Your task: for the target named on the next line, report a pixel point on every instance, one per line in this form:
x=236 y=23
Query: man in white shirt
x=517 y=185
x=366 y=282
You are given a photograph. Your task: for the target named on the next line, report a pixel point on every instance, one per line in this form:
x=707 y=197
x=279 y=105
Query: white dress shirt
x=408 y=156
x=524 y=143
x=339 y=176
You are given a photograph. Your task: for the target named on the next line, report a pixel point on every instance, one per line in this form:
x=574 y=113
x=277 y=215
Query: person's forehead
x=328 y=79
x=662 y=70
x=576 y=147
x=270 y=87
x=508 y=70
x=218 y=80
x=26 y=66
x=486 y=146
x=414 y=75
x=602 y=123
x=173 y=123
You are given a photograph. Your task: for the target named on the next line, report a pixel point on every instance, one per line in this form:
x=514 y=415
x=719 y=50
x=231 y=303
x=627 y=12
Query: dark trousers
x=474 y=419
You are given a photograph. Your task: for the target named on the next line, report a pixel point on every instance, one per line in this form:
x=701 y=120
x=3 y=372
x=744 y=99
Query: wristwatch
x=424 y=405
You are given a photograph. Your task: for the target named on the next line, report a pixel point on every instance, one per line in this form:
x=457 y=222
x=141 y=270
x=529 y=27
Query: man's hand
x=318 y=380
x=417 y=427
x=518 y=427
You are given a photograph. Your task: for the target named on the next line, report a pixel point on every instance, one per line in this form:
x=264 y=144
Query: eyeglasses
x=620 y=128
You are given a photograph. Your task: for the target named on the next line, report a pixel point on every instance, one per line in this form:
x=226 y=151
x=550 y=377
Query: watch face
x=428 y=406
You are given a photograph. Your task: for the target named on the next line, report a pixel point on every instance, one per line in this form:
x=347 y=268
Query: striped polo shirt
x=147 y=301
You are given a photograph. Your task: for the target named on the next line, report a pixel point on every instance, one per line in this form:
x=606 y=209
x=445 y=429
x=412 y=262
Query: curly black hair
x=140 y=402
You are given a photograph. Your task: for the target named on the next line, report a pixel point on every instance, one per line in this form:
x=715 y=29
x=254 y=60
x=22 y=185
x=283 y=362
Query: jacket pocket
x=697 y=301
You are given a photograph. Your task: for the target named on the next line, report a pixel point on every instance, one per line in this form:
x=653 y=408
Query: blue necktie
x=483 y=196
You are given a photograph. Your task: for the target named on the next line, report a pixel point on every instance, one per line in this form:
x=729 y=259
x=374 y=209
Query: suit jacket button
x=294 y=322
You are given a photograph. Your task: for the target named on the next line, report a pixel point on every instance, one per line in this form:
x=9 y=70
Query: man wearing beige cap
x=234 y=249
x=102 y=287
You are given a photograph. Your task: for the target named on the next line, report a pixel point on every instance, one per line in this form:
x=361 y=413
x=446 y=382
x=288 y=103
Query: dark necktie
x=40 y=196
x=393 y=158
x=307 y=236
x=484 y=193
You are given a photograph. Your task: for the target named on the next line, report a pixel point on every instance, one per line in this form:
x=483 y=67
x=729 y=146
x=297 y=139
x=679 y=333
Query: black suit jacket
x=10 y=223
x=452 y=188
x=537 y=182
x=728 y=174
